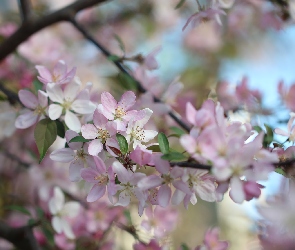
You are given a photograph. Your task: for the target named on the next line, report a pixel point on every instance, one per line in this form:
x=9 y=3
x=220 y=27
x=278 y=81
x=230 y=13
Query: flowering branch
x=21 y=237
x=33 y=25
x=119 y=65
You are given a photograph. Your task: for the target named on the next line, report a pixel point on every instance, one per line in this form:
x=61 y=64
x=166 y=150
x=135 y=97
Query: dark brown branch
x=25 y=8
x=21 y=237
x=33 y=25
x=11 y=96
x=129 y=229
x=119 y=65
x=190 y=165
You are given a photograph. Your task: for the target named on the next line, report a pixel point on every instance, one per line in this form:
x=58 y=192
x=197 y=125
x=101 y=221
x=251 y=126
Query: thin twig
x=11 y=96
x=129 y=229
x=119 y=65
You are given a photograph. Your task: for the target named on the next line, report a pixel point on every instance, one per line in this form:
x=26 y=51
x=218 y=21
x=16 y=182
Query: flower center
x=138 y=133
x=39 y=110
x=101 y=179
x=119 y=112
x=103 y=135
x=66 y=105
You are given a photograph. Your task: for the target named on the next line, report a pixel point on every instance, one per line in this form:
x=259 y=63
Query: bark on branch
x=33 y=25
x=21 y=237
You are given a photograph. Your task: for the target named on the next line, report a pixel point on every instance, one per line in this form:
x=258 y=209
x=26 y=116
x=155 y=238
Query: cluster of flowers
x=237 y=157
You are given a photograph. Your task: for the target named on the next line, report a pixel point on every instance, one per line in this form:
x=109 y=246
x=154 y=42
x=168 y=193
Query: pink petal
x=89 y=175
x=89 y=131
x=95 y=147
x=164 y=195
x=26 y=120
x=128 y=99
x=96 y=193
x=122 y=172
x=124 y=199
x=28 y=99
x=100 y=166
x=44 y=73
x=150 y=181
x=237 y=192
x=60 y=68
x=75 y=169
x=99 y=120
x=42 y=98
x=62 y=155
x=108 y=102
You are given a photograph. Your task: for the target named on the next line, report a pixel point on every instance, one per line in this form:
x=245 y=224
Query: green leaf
x=128 y=216
x=122 y=143
x=163 y=143
x=184 y=247
x=113 y=58
x=258 y=129
x=18 y=208
x=121 y=44
x=49 y=235
x=45 y=134
x=37 y=86
x=31 y=222
x=173 y=157
x=180 y=3
x=280 y=171
x=127 y=81
x=60 y=128
x=39 y=212
x=79 y=138
x=268 y=137
x=178 y=131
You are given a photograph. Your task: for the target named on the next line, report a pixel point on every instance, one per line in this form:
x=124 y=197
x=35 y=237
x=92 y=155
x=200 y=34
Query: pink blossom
x=61 y=211
x=212 y=242
x=101 y=131
x=141 y=156
x=128 y=185
x=136 y=133
x=76 y=154
x=101 y=177
x=66 y=101
x=59 y=75
x=150 y=61
x=162 y=220
x=38 y=107
x=118 y=111
x=291 y=129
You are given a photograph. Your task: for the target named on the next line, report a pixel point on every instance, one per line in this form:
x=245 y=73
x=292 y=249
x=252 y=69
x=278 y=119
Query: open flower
x=59 y=75
x=61 y=211
x=101 y=131
x=77 y=154
x=68 y=101
x=118 y=111
x=36 y=105
x=137 y=134
x=101 y=177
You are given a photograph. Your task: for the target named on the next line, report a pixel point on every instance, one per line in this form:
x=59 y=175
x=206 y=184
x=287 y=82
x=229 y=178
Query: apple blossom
x=61 y=211
x=38 y=107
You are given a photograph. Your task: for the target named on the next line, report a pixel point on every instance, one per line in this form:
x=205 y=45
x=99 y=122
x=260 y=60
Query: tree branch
x=21 y=237
x=25 y=9
x=119 y=65
x=33 y=25
x=11 y=96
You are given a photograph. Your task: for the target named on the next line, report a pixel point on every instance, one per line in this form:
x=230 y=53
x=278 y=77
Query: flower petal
x=54 y=111
x=95 y=147
x=72 y=121
x=96 y=193
x=55 y=92
x=28 y=99
x=63 y=155
x=26 y=120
